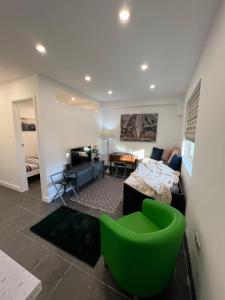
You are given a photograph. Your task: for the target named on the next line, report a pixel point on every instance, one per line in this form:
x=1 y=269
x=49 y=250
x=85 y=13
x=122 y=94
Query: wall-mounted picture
x=28 y=124
x=139 y=127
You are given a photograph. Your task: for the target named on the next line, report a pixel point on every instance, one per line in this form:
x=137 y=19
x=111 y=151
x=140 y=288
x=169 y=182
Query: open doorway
x=27 y=144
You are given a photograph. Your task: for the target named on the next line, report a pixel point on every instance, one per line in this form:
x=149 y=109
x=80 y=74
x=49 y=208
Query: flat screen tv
x=80 y=155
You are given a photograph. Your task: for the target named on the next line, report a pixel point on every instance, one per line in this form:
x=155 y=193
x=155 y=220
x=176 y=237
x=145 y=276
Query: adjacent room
x=111 y=150
x=28 y=129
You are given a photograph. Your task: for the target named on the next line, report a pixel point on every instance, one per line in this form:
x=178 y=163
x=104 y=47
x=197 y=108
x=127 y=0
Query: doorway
x=27 y=141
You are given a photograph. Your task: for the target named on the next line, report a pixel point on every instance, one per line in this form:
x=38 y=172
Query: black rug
x=72 y=231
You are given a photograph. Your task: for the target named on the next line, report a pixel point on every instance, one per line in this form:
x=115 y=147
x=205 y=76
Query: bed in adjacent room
x=32 y=166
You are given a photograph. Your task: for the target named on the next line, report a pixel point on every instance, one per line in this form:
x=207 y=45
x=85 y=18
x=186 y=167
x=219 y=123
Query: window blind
x=192 y=114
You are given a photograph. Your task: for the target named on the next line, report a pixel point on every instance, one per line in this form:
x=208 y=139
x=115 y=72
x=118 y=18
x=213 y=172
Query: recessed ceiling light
x=144 y=67
x=152 y=86
x=87 y=78
x=41 y=49
x=73 y=98
x=110 y=92
x=124 y=15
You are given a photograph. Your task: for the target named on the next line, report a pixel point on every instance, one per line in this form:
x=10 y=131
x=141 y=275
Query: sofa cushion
x=175 y=162
x=156 y=153
x=138 y=223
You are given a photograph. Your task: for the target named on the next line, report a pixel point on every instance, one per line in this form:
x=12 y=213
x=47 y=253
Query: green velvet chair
x=140 y=249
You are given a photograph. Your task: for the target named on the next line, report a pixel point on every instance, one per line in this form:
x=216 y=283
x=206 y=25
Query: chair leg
x=57 y=192
x=63 y=201
x=116 y=172
x=75 y=193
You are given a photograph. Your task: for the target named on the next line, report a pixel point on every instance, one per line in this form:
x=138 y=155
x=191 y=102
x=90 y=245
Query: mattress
x=32 y=163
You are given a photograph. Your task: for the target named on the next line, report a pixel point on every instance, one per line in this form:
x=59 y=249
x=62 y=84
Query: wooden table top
x=122 y=157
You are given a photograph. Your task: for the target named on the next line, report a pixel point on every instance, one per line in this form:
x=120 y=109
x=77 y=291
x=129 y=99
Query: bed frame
x=132 y=199
x=33 y=172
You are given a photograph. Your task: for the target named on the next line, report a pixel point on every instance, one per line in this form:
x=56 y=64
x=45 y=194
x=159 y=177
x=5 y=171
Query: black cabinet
x=86 y=173
x=98 y=169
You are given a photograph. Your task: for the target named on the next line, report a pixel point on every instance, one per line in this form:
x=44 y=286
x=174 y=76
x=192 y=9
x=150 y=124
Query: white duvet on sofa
x=154 y=179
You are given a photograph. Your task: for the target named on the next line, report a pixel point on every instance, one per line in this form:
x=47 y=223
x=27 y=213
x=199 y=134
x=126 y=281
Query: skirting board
x=11 y=186
x=49 y=199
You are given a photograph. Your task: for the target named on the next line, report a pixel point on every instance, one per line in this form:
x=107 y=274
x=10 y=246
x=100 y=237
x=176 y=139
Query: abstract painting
x=139 y=127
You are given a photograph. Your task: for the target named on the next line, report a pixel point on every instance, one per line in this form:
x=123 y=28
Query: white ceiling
x=84 y=37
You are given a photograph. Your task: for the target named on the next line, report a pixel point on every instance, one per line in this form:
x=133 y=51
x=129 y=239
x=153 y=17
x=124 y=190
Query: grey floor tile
x=99 y=272
x=11 y=241
x=102 y=292
x=50 y=271
x=65 y=255
x=75 y=285
x=78 y=285
x=5 y=203
x=34 y=186
x=35 y=192
x=23 y=220
x=6 y=191
x=31 y=256
x=35 y=205
x=9 y=214
x=12 y=196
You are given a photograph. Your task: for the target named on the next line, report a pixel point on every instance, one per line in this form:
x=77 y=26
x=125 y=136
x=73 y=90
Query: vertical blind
x=192 y=114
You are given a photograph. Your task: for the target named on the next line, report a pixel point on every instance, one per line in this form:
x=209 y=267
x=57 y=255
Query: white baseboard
x=49 y=199
x=46 y=199
x=11 y=186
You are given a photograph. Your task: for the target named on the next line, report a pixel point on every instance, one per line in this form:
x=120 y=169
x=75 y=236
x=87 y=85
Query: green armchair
x=140 y=249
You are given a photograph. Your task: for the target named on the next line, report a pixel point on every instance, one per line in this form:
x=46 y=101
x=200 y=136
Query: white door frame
x=19 y=140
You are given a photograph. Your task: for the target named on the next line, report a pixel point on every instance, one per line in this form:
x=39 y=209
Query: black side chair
x=61 y=181
x=120 y=168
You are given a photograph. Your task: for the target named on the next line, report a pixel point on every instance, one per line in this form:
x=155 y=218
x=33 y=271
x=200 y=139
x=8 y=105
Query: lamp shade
x=107 y=133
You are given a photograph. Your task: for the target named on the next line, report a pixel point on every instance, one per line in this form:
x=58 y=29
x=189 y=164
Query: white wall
x=205 y=189
x=9 y=168
x=169 y=123
x=62 y=127
x=26 y=110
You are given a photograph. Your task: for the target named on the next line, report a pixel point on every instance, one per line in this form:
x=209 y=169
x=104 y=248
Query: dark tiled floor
x=64 y=276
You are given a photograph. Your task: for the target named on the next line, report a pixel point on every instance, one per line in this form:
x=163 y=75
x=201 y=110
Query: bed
x=32 y=166
x=143 y=184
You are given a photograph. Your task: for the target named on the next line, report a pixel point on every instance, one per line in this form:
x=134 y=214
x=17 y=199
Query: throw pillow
x=175 y=162
x=156 y=153
x=174 y=151
x=166 y=154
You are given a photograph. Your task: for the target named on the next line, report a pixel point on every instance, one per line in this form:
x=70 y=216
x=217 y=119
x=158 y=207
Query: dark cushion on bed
x=175 y=162
x=156 y=153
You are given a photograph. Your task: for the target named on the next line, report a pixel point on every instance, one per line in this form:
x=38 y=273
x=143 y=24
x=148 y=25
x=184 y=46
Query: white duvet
x=154 y=179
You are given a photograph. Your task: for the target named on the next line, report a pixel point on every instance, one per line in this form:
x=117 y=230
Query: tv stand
x=85 y=172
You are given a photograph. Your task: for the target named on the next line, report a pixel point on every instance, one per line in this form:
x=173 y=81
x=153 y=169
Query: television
x=80 y=155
